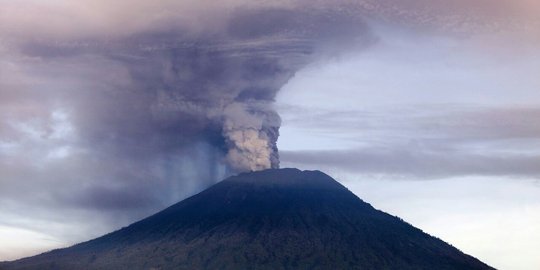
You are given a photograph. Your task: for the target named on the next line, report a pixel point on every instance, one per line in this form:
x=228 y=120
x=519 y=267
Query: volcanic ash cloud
x=162 y=90
x=251 y=135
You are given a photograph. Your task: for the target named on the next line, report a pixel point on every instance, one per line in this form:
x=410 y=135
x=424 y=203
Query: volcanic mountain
x=272 y=219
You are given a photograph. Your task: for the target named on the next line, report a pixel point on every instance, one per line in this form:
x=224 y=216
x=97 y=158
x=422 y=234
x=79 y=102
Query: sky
x=429 y=110
x=450 y=144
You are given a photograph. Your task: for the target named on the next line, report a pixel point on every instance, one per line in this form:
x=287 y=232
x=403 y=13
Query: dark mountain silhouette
x=273 y=219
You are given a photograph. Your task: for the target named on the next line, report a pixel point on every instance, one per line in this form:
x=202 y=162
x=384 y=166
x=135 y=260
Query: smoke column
x=251 y=134
x=170 y=89
x=221 y=91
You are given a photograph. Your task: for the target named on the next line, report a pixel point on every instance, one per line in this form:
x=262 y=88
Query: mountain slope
x=273 y=219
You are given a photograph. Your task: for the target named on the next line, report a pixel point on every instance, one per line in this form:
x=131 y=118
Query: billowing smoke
x=218 y=90
x=168 y=106
x=227 y=83
x=251 y=132
x=221 y=91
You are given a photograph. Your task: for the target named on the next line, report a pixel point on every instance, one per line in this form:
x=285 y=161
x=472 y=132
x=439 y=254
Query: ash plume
x=251 y=132
x=177 y=104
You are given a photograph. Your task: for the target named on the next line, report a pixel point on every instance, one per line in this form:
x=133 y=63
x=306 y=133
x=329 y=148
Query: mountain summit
x=272 y=219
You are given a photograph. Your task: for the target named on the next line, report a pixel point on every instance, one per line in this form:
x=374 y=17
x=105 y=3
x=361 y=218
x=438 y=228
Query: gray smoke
x=155 y=96
x=251 y=132
x=221 y=91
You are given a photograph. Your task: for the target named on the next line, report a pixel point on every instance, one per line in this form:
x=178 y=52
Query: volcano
x=272 y=219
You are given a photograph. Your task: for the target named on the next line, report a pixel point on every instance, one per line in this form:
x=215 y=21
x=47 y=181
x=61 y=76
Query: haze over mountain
x=271 y=219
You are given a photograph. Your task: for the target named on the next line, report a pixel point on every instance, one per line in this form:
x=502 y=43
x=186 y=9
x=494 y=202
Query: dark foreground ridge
x=272 y=219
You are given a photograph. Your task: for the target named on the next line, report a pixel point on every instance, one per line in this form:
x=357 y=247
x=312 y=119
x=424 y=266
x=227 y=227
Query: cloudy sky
x=450 y=143
x=426 y=109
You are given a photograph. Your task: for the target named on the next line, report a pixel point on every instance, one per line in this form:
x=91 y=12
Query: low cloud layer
x=420 y=143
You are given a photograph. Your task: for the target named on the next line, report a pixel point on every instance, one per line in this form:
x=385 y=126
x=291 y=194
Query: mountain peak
x=287 y=177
